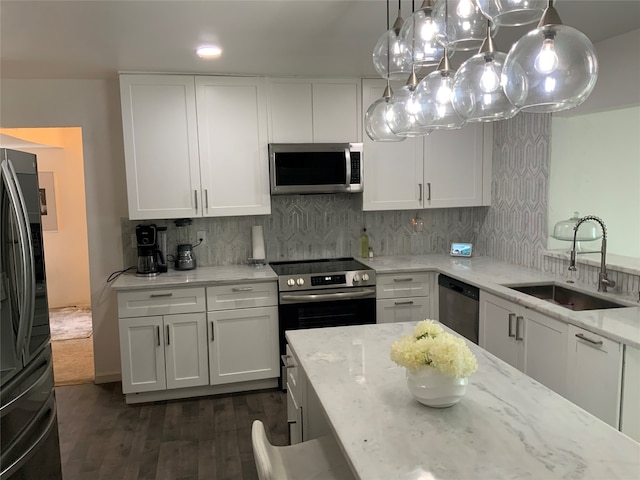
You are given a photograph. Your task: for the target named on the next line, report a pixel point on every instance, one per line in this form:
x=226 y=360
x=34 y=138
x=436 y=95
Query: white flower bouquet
x=431 y=345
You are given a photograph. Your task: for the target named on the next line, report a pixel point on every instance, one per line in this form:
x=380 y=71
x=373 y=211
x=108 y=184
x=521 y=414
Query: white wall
x=94 y=106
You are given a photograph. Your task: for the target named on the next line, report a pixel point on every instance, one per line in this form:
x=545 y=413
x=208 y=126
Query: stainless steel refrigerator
x=29 y=445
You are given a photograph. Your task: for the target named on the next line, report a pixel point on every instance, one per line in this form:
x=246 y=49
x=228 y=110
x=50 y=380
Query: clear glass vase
x=434 y=389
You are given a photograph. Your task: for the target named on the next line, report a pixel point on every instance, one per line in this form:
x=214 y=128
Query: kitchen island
x=507 y=425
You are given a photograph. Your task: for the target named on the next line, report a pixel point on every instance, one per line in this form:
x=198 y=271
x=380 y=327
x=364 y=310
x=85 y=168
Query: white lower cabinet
x=594 y=374
x=243 y=345
x=405 y=297
x=527 y=340
x=163 y=352
x=630 y=407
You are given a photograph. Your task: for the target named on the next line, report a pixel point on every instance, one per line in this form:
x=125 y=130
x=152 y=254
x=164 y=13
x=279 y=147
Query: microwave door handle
x=26 y=307
x=347 y=156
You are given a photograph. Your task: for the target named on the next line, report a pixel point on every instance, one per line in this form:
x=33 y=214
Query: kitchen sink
x=566 y=297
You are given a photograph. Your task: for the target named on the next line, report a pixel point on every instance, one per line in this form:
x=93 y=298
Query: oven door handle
x=321 y=297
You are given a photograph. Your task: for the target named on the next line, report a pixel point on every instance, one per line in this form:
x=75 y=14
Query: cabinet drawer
x=405 y=285
x=227 y=297
x=143 y=303
x=291 y=367
x=391 y=310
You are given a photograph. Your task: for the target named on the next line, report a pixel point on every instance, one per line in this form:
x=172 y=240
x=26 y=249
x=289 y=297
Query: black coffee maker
x=151 y=259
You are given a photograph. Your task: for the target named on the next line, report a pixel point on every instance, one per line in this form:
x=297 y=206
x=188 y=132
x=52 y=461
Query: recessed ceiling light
x=209 y=51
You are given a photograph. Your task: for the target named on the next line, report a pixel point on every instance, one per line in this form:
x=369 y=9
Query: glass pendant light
x=419 y=35
x=391 y=58
x=375 y=121
x=550 y=69
x=477 y=93
x=461 y=24
x=402 y=110
x=512 y=13
x=434 y=95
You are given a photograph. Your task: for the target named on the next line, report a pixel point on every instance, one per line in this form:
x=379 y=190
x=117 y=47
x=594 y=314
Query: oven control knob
x=365 y=277
x=356 y=278
x=291 y=282
x=300 y=282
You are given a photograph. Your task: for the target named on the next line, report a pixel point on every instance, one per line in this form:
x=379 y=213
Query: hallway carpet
x=73 y=361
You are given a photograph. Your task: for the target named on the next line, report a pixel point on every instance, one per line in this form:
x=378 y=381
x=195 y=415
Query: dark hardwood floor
x=101 y=437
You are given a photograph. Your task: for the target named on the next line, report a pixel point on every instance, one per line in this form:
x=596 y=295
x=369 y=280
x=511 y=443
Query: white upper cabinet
x=160 y=145
x=314 y=110
x=448 y=168
x=195 y=146
x=392 y=170
x=232 y=135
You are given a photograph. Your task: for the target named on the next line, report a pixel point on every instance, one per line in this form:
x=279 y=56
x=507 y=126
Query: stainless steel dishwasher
x=459 y=307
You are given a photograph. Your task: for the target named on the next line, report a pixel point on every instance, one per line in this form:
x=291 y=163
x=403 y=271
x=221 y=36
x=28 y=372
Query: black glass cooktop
x=329 y=265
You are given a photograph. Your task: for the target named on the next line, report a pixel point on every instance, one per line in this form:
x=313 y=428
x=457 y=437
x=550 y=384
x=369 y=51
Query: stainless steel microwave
x=307 y=168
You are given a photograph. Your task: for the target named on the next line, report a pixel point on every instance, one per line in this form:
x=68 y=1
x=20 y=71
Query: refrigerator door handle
x=49 y=409
x=28 y=294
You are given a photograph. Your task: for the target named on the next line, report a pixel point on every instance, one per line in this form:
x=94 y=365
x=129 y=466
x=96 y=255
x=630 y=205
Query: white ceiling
x=97 y=38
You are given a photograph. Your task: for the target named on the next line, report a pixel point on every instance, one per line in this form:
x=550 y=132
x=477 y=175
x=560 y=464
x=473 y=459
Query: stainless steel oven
x=324 y=293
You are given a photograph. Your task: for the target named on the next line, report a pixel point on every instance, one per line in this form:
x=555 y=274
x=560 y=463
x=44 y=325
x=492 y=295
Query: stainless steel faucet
x=603 y=281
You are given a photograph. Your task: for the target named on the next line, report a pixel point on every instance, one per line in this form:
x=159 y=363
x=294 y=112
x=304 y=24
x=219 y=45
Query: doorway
x=63 y=208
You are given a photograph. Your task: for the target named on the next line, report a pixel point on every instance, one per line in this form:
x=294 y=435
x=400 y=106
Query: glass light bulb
x=428 y=30
x=443 y=95
x=489 y=81
x=547 y=60
x=465 y=8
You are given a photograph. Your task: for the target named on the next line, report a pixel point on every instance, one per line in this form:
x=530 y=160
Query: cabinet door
x=594 y=371
x=545 y=343
x=393 y=171
x=336 y=111
x=411 y=309
x=186 y=356
x=630 y=408
x=244 y=345
x=160 y=146
x=290 y=110
x=498 y=329
x=232 y=135
x=455 y=168
x=142 y=354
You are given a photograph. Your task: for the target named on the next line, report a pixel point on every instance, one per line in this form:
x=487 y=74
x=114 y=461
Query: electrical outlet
x=202 y=236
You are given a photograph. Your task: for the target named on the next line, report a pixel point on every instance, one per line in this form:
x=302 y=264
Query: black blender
x=185 y=258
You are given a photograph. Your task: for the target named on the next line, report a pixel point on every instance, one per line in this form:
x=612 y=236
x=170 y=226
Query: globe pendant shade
x=477 y=92
x=375 y=123
x=401 y=114
x=391 y=58
x=461 y=25
x=512 y=13
x=434 y=94
x=419 y=35
x=550 y=69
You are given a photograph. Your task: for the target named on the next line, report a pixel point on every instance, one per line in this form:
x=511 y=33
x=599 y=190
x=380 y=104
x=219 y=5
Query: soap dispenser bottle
x=364 y=244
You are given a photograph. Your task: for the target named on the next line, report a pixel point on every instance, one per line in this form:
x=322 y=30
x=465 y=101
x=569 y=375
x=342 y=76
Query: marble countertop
x=507 y=425
x=492 y=276
x=201 y=276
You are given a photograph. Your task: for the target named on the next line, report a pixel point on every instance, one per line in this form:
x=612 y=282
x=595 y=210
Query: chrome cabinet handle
x=518 y=337
x=242 y=289
x=158 y=334
x=511 y=317
x=406 y=302
x=429 y=191
x=419 y=192
x=213 y=335
x=168 y=338
x=157 y=295
x=195 y=196
x=206 y=199
x=581 y=336
x=405 y=279
x=285 y=361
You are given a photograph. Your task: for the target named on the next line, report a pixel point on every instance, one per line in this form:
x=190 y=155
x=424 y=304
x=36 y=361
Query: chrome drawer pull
x=518 y=319
x=406 y=279
x=158 y=295
x=406 y=302
x=511 y=317
x=242 y=289
x=587 y=339
x=158 y=334
x=285 y=361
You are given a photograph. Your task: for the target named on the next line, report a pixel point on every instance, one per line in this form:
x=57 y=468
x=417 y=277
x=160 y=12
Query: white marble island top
x=507 y=425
